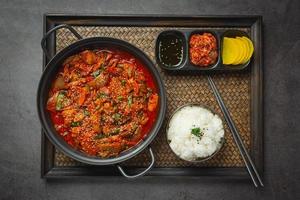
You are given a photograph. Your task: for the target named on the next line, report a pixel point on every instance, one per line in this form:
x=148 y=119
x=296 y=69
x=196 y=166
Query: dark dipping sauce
x=170 y=50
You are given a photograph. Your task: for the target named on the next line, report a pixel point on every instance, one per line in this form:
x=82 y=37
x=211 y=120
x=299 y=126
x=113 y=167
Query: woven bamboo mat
x=181 y=89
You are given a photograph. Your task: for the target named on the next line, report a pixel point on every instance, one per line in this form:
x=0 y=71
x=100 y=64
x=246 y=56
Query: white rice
x=189 y=146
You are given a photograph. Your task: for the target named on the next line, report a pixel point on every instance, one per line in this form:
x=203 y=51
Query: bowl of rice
x=195 y=133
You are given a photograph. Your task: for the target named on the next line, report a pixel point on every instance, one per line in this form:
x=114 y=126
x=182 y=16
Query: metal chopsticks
x=236 y=136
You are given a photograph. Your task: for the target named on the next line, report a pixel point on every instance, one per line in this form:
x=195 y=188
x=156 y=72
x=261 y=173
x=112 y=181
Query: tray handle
x=43 y=41
x=141 y=173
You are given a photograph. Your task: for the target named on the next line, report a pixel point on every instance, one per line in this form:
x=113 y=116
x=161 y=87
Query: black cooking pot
x=52 y=69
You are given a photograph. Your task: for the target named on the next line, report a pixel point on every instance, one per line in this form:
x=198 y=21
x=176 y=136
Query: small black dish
x=176 y=54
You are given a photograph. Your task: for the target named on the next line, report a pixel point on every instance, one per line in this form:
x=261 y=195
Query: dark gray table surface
x=21 y=26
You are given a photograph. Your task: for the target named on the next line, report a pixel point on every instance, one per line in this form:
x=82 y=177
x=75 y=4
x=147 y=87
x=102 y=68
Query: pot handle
x=43 y=41
x=143 y=172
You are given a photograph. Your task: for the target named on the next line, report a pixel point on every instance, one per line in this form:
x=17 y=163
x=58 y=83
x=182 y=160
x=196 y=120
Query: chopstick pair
x=236 y=136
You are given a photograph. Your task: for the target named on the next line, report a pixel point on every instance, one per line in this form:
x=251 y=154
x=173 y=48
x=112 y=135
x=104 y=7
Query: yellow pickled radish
x=237 y=50
x=240 y=51
x=230 y=51
x=251 y=50
x=245 y=51
x=246 y=59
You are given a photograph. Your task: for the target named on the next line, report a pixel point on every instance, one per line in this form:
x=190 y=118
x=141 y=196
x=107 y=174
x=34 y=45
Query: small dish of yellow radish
x=237 y=50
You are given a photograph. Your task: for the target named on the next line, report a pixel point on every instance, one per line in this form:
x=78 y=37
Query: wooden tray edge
x=48 y=170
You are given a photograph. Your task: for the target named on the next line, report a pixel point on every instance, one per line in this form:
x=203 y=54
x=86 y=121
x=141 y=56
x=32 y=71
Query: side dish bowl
x=195 y=133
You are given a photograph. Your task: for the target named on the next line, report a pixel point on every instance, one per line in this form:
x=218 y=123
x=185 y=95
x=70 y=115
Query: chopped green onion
x=197 y=132
x=116 y=116
x=96 y=73
x=120 y=98
x=59 y=100
x=115 y=132
x=130 y=100
x=102 y=66
x=102 y=95
x=99 y=136
x=86 y=112
x=75 y=124
x=123 y=82
x=58 y=105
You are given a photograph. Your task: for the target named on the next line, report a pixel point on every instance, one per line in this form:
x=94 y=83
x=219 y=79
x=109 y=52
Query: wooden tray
x=242 y=92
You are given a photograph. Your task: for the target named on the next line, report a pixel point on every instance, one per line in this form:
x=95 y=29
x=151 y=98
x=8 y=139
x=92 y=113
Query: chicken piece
x=110 y=149
x=79 y=116
x=68 y=115
x=82 y=95
x=76 y=130
x=137 y=134
x=88 y=57
x=73 y=76
x=94 y=121
x=59 y=83
x=101 y=60
x=129 y=69
x=144 y=120
x=134 y=85
x=99 y=81
x=78 y=82
x=152 y=103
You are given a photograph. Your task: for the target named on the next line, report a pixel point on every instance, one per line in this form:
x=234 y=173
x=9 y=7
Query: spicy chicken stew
x=103 y=102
